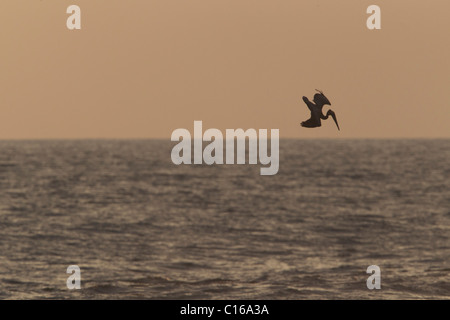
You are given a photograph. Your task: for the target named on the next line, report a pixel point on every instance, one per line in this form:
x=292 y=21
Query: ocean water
x=140 y=227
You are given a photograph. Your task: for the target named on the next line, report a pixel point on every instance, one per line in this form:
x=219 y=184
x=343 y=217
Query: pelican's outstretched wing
x=320 y=99
x=309 y=104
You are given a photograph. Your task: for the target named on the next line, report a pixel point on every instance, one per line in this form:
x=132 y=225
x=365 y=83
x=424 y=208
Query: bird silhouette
x=316 y=111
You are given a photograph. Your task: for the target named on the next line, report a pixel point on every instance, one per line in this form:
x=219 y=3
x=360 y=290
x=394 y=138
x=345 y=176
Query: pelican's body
x=316 y=111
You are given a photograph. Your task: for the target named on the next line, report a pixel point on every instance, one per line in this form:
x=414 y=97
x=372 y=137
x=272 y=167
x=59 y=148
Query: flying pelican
x=316 y=111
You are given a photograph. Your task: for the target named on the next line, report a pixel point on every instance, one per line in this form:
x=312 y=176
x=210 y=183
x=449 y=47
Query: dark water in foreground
x=140 y=227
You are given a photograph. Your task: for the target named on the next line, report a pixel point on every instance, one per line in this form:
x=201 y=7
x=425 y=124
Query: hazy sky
x=143 y=68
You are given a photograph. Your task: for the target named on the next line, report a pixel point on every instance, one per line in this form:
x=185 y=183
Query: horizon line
x=168 y=138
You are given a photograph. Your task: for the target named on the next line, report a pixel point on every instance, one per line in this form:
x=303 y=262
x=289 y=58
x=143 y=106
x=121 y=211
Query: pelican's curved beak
x=335 y=120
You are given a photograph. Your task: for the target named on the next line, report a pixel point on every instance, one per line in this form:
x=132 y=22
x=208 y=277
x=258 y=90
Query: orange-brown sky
x=142 y=68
